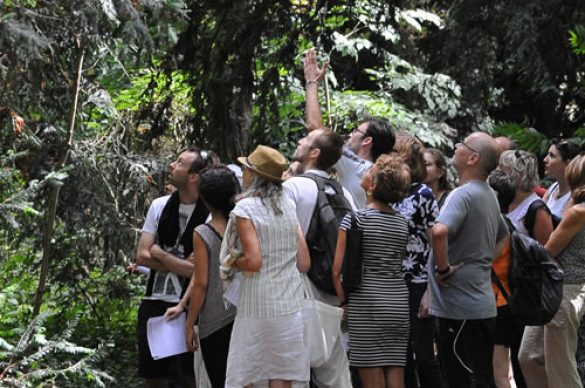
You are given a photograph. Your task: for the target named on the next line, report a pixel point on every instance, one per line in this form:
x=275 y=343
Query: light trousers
x=547 y=354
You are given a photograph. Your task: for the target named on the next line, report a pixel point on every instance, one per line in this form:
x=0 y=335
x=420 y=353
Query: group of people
x=425 y=313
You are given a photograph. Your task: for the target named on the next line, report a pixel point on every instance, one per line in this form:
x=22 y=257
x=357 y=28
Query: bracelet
x=443 y=272
x=311 y=81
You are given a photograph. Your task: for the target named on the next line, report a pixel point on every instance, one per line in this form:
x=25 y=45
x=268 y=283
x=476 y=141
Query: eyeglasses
x=363 y=133
x=468 y=147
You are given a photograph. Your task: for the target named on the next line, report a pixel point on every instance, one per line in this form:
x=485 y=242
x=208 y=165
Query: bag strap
x=530 y=217
x=496 y=280
x=322 y=182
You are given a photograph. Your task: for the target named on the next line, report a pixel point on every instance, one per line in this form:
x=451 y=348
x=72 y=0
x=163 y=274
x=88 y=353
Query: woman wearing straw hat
x=267 y=338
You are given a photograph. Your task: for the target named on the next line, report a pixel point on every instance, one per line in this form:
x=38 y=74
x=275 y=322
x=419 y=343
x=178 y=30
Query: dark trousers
x=421 y=359
x=214 y=350
x=466 y=350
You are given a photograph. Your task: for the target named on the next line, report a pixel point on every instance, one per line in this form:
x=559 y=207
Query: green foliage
x=577 y=39
x=36 y=359
x=527 y=139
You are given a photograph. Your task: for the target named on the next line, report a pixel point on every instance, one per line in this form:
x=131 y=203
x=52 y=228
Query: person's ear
x=315 y=153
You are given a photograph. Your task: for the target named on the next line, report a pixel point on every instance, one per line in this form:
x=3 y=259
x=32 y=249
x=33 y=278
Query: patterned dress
x=378 y=311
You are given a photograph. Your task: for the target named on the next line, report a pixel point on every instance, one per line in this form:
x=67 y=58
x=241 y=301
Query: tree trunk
x=55 y=188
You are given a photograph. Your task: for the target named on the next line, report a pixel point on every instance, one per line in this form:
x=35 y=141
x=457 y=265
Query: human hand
x=174 y=312
x=312 y=71
x=443 y=279
x=191 y=338
x=423 y=308
x=137 y=269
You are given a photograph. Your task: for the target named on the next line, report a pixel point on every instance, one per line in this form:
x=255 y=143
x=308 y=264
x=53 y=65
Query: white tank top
x=557 y=205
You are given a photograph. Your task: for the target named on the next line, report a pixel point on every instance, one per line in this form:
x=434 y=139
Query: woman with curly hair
x=377 y=310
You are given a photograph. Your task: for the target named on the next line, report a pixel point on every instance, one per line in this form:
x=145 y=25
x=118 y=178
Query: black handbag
x=352 y=261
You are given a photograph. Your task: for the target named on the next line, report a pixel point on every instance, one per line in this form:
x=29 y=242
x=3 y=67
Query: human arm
x=198 y=292
x=173 y=312
x=543 y=226
x=303 y=257
x=440 y=244
x=312 y=76
x=338 y=266
x=143 y=255
x=251 y=258
x=573 y=221
x=172 y=263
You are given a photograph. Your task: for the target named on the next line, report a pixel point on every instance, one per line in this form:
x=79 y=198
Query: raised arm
x=313 y=74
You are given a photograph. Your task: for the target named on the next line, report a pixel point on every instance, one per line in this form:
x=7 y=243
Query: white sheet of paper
x=166 y=338
x=232 y=292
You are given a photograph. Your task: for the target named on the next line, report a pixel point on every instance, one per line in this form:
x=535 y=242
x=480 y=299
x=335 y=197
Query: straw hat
x=266 y=162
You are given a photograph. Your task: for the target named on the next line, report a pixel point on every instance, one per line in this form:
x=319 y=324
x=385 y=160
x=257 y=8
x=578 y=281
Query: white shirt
x=303 y=192
x=167 y=285
x=556 y=205
x=350 y=171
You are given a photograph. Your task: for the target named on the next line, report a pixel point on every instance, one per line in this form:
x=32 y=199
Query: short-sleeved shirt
x=420 y=208
x=350 y=171
x=517 y=215
x=475 y=225
x=303 y=192
x=275 y=290
x=167 y=285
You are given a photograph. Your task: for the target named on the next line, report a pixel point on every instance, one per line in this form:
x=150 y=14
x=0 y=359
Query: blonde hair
x=575 y=176
x=523 y=167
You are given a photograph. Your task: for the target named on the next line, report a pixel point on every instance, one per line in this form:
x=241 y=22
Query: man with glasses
x=372 y=138
x=468 y=234
x=164 y=246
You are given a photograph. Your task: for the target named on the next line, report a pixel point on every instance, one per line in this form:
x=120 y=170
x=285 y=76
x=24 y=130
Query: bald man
x=505 y=143
x=467 y=236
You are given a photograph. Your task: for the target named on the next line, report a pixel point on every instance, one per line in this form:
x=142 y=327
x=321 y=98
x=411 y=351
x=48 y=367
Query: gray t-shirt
x=475 y=225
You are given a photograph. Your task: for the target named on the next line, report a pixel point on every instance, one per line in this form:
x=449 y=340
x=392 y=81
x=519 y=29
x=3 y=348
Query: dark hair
x=204 y=158
x=412 y=152
x=567 y=149
x=382 y=134
x=441 y=163
x=331 y=146
x=218 y=187
x=392 y=179
x=503 y=183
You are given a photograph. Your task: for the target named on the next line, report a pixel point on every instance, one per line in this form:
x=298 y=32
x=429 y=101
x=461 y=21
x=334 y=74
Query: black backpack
x=536 y=280
x=323 y=230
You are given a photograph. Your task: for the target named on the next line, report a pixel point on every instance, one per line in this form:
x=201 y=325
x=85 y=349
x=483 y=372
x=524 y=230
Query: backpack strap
x=530 y=217
x=322 y=182
x=496 y=280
